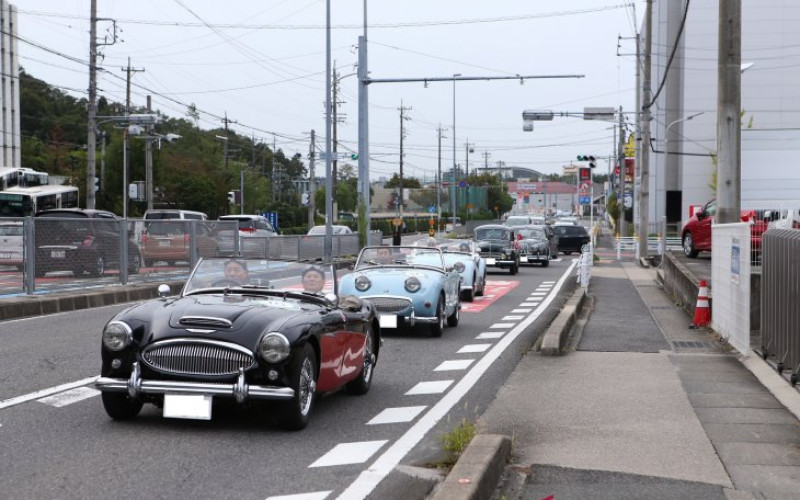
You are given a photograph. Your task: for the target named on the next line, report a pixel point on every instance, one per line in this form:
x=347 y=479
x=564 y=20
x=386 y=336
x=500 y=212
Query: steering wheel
x=226 y=282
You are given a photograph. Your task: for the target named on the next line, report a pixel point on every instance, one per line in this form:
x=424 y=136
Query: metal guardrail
x=84 y=253
x=780 y=316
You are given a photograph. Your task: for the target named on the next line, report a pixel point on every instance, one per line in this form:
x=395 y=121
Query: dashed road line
x=512 y=318
x=397 y=415
x=501 y=325
x=316 y=495
x=433 y=387
x=454 y=365
x=68 y=397
x=490 y=335
x=521 y=311
x=349 y=453
x=471 y=348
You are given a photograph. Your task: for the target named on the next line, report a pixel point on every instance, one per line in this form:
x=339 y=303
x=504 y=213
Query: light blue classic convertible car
x=408 y=285
x=463 y=256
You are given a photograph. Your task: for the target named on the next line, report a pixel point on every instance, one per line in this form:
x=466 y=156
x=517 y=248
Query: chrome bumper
x=240 y=390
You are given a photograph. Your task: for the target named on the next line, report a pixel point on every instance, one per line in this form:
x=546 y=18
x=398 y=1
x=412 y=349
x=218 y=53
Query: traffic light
x=96 y=184
x=304 y=199
x=588 y=158
x=354 y=156
x=231 y=197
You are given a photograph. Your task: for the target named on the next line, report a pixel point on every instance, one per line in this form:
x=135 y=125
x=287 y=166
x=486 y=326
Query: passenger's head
x=236 y=270
x=313 y=279
x=384 y=255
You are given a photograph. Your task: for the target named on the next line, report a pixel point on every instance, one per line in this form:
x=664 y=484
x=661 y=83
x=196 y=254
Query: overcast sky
x=263 y=63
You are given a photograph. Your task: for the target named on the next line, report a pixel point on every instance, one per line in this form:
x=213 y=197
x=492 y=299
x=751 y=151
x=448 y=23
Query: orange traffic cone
x=702 y=313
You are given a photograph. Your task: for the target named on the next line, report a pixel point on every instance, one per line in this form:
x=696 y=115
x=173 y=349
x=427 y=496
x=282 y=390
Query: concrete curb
x=478 y=470
x=38 y=305
x=556 y=335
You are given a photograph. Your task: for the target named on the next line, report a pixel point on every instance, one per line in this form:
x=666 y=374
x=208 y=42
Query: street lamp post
x=469 y=149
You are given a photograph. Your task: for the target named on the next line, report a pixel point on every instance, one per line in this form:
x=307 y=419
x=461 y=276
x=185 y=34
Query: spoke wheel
x=688 y=246
x=453 y=319
x=362 y=384
x=302 y=371
x=438 y=327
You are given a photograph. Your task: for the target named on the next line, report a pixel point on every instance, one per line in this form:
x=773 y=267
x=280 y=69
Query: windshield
x=495 y=233
x=517 y=221
x=393 y=256
x=259 y=274
x=456 y=246
x=532 y=234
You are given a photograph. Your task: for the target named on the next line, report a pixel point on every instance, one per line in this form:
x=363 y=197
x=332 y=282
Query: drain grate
x=691 y=344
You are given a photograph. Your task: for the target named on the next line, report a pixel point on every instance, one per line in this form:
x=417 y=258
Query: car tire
x=689 y=249
x=135 y=264
x=469 y=295
x=362 y=383
x=302 y=371
x=120 y=406
x=479 y=291
x=546 y=262
x=453 y=319
x=438 y=327
x=98 y=266
x=514 y=268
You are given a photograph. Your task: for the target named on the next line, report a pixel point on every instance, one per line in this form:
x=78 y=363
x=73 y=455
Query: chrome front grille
x=390 y=304
x=197 y=357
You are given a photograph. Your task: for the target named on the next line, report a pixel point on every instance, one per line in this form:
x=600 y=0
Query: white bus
x=21 y=177
x=25 y=201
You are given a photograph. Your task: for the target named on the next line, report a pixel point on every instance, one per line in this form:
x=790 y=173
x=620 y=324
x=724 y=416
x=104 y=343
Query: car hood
x=240 y=318
x=389 y=280
x=493 y=245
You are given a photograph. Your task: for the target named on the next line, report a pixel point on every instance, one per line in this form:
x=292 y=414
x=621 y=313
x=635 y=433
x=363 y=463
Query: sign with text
x=585 y=174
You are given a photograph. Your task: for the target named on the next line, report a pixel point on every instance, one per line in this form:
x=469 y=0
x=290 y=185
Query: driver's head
x=236 y=270
x=384 y=254
x=313 y=279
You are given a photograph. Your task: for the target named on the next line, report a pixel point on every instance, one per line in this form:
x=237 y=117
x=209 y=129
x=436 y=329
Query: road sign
x=431 y=232
x=470 y=206
x=584 y=200
x=462 y=184
x=432 y=209
x=397 y=222
x=431 y=222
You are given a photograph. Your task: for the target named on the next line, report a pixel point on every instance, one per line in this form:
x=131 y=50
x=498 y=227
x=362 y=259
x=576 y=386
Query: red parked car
x=696 y=234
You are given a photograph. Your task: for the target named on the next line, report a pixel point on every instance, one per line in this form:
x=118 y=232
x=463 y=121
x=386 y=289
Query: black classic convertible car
x=256 y=332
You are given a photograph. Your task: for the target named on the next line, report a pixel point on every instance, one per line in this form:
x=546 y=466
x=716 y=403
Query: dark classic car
x=250 y=331
x=499 y=246
x=534 y=245
x=571 y=238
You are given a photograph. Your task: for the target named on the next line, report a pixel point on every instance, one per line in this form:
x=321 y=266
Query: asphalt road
x=59 y=443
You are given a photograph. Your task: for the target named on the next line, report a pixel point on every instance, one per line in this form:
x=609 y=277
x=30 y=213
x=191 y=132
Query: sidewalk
x=640 y=406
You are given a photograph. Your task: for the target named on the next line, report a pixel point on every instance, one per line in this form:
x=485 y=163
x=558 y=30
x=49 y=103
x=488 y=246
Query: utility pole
x=148 y=161
x=403 y=118
x=439 y=176
x=335 y=117
x=468 y=150
x=91 y=144
x=729 y=98
x=644 y=177
x=126 y=157
x=623 y=223
x=312 y=184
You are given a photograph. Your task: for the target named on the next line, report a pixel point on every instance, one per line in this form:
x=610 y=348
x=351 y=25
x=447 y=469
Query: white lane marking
x=349 y=453
x=46 y=392
x=474 y=348
x=512 y=318
x=366 y=482
x=434 y=387
x=529 y=304
x=57 y=314
x=521 y=311
x=502 y=325
x=397 y=415
x=454 y=365
x=548 y=282
x=316 y=495
x=68 y=397
x=538 y=294
x=490 y=335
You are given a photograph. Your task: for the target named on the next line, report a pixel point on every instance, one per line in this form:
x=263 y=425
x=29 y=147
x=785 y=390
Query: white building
x=770 y=102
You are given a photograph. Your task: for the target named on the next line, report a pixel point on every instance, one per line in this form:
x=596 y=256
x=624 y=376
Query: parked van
x=783 y=219
x=174 y=214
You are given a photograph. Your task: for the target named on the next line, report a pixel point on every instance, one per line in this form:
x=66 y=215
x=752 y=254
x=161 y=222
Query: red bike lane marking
x=494 y=290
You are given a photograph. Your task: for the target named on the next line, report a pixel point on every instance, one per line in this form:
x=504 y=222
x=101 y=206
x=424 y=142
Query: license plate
x=163 y=243
x=490 y=262
x=534 y=259
x=5 y=255
x=58 y=254
x=388 y=321
x=194 y=406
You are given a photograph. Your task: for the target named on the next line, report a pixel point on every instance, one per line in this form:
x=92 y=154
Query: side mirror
x=164 y=290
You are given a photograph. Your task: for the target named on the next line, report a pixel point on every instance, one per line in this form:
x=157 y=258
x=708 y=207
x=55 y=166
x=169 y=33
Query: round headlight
x=459 y=266
x=274 y=347
x=413 y=284
x=117 y=336
x=363 y=283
